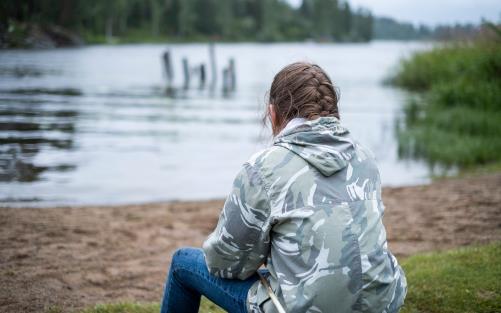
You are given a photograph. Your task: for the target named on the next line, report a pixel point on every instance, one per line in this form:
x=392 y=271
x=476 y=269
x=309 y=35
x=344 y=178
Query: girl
x=308 y=210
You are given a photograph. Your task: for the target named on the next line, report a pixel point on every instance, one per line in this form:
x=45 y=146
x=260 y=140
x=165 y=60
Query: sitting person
x=308 y=210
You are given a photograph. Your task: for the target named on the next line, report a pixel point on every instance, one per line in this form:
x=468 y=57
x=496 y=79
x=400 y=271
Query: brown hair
x=302 y=90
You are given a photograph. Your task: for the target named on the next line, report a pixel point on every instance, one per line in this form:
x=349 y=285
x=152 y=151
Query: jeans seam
x=189 y=271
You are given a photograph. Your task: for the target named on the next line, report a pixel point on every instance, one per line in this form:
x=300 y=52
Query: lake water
x=94 y=125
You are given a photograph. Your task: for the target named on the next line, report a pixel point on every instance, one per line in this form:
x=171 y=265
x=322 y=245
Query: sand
x=76 y=257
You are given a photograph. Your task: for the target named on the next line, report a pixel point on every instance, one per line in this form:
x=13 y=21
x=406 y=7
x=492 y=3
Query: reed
x=454 y=117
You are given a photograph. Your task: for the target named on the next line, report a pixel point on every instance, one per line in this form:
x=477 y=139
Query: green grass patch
x=461 y=280
x=454 y=119
x=124 y=307
x=127 y=307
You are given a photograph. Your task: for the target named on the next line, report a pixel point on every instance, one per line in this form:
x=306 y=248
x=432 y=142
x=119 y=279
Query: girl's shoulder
x=266 y=156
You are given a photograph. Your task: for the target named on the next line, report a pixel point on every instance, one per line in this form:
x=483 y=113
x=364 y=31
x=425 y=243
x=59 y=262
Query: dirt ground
x=76 y=257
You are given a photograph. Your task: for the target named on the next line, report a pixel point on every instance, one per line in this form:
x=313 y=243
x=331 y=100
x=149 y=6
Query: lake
x=95 y=125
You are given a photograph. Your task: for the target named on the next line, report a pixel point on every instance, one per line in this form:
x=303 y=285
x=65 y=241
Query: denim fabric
x=189 y=279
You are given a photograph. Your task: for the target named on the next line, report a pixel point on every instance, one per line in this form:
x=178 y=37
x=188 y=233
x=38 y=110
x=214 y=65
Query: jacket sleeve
x=240 y=243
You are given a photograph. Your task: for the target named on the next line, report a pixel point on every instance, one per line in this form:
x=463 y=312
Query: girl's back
x=327 y=246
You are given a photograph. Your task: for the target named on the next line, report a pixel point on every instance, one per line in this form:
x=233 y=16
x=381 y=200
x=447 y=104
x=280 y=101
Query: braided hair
x=302 y=90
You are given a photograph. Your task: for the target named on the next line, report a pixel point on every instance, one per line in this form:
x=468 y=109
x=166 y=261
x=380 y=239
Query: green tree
x=187 y=17
x=264 y=20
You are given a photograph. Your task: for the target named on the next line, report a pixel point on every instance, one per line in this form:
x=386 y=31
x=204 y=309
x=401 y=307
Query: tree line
x=186 y=20
x=389 y=28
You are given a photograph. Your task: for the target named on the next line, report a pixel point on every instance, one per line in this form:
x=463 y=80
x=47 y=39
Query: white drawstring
x=274 y=298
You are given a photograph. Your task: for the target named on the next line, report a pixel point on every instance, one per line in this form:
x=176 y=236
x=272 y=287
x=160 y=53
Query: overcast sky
x=432 y=12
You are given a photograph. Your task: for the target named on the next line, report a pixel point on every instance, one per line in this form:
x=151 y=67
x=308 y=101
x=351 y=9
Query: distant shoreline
x=36 y=37
x=167 y=41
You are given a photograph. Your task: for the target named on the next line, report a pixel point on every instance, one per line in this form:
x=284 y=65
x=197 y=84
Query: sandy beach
x=75 y=257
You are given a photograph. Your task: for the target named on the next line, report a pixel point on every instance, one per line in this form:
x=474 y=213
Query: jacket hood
x=324 y=143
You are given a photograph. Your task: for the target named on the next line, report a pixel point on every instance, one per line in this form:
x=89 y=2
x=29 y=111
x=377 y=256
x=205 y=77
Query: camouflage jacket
x=310 y=209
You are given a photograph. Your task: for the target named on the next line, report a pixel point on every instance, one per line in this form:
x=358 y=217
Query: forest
x=191 y=20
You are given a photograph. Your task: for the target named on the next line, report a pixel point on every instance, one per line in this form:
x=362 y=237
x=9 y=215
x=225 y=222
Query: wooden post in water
x=169 y=72
x=233 y=76
x=226 y=80
x=186 y=71
x=213 y=69
x=202 y=76
x=229 y=77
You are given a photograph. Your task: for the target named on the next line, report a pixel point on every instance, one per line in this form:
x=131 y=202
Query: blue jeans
x=189 y=279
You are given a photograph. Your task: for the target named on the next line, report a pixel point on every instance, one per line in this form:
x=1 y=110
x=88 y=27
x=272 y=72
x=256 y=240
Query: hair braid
x=303 y=90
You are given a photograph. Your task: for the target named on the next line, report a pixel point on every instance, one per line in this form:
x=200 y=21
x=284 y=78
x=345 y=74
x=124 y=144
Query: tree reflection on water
x=27 y=127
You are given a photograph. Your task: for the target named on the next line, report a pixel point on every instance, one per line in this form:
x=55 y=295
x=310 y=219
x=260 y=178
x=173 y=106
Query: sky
x=431 y=12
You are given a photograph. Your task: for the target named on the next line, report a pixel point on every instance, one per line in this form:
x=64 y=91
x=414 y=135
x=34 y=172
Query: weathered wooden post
x=202 y=76
x=169 y=72
x=229 y=77
x=226 y=80
x=233 y=76
x=212 y=57
x=186 y=71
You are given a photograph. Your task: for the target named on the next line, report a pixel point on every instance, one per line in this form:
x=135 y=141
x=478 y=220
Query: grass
x=454 y=119
x=461 y=280
x=124 y=307
x=128 y=307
